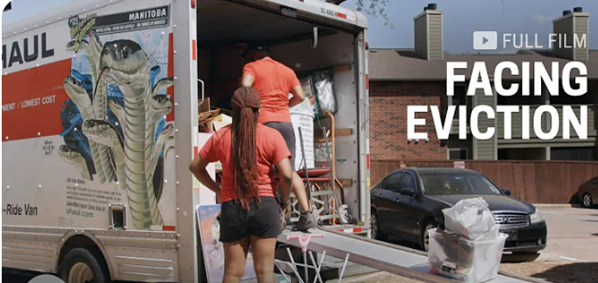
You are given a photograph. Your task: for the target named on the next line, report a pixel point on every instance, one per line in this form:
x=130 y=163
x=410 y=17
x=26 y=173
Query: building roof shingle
x=406 y=65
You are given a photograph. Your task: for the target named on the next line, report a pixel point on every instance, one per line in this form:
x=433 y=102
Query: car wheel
x=375 y=227
x=81 y=266
x=587 y=200
x=424 y=236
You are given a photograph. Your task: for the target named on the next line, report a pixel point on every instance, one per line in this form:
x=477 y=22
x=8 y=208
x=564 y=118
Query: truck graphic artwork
x=114 y=124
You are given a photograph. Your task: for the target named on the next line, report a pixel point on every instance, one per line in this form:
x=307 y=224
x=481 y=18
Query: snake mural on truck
x=114 y=124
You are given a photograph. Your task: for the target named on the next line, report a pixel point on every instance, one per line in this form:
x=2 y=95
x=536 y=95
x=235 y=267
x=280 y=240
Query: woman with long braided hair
x=250 y=214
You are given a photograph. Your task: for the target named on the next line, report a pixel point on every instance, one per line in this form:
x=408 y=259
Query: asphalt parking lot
x=572 y=234
x=571 y=255
x=572 y=252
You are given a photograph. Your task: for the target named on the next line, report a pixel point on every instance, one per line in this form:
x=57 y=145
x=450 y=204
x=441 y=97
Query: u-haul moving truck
x=100 y=125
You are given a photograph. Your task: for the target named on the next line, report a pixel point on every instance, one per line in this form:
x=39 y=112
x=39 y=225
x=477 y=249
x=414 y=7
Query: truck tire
x=83 y=266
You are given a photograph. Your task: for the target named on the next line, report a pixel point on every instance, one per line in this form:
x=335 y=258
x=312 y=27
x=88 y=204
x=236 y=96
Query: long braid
x=246 y=104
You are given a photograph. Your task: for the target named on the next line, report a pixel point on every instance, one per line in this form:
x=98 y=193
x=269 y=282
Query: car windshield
x=457 y=183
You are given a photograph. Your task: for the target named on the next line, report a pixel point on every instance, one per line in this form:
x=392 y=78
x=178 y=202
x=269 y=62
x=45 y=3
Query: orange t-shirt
x=273 y=81
x=270 y=150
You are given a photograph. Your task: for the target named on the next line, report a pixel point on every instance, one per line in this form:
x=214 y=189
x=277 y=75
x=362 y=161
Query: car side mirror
x=506 y=192
x=408 y=192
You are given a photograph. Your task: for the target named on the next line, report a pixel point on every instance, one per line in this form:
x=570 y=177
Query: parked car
x=409 y=202
x=587 y=192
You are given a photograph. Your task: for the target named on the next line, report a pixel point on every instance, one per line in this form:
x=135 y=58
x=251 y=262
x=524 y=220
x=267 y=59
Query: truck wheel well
x=80 y=241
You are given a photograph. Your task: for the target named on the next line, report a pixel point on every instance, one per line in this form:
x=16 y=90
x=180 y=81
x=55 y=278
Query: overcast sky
x=461 y=19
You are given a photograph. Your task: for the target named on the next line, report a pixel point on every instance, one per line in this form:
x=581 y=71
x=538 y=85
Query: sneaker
x=286 y=224
x=307 y=221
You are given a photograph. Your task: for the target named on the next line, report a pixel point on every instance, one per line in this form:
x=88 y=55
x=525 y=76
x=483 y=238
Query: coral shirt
x=270 y=150
x=273 y=81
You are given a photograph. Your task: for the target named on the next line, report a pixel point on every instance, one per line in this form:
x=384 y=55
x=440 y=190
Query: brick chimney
x=428 y=33
x=570 y=30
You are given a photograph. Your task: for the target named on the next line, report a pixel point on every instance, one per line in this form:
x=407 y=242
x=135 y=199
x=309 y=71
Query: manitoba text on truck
x=100 y=124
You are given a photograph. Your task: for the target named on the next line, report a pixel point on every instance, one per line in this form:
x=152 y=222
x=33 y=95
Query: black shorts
x=263 y=220
x=288 y=134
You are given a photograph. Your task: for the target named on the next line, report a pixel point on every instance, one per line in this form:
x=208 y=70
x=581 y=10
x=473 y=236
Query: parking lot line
x=569 y=258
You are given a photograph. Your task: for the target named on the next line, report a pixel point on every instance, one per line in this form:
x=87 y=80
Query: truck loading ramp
x=379 y=255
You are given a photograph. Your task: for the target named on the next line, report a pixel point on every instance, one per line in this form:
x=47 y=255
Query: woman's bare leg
x=235 y=254
x=262 y=250
x=300 y=193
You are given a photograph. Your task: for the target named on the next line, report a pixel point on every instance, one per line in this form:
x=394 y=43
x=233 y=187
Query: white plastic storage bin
x=464 y=260
x=303 y=116
x=306 y=123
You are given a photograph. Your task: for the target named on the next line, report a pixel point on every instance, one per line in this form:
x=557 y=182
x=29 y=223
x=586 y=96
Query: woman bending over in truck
x=250 y=215
x=274 y=81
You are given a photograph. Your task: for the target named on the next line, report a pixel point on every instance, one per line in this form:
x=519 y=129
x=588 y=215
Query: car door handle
x=397 y=199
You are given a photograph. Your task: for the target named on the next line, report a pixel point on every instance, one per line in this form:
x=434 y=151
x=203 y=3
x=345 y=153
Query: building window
x=537 y=153
x=458 y=153
x=574 y=153
x=518 y=98
x=460 y=98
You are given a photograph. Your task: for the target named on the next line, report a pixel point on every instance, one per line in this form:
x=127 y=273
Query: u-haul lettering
x=26 y=51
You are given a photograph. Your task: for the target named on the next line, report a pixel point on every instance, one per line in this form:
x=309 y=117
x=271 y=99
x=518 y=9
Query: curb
x=555 y=205
x=522 y=277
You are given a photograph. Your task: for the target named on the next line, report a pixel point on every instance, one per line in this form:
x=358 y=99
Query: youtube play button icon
x=485 y=40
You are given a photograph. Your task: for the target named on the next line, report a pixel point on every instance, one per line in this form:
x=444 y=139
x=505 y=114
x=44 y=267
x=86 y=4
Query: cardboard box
x=206 y=116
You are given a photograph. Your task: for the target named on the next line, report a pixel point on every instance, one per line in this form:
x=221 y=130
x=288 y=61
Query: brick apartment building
x=401 y=77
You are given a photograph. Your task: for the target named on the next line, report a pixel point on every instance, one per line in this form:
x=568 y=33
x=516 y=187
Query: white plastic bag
x=470 y=218
x=308 y=88
x=492 y=234
x=321 y=154
x=304 y=107
x=323 y=84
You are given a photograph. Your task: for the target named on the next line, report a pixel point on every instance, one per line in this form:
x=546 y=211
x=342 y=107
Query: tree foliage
x=375 y=8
